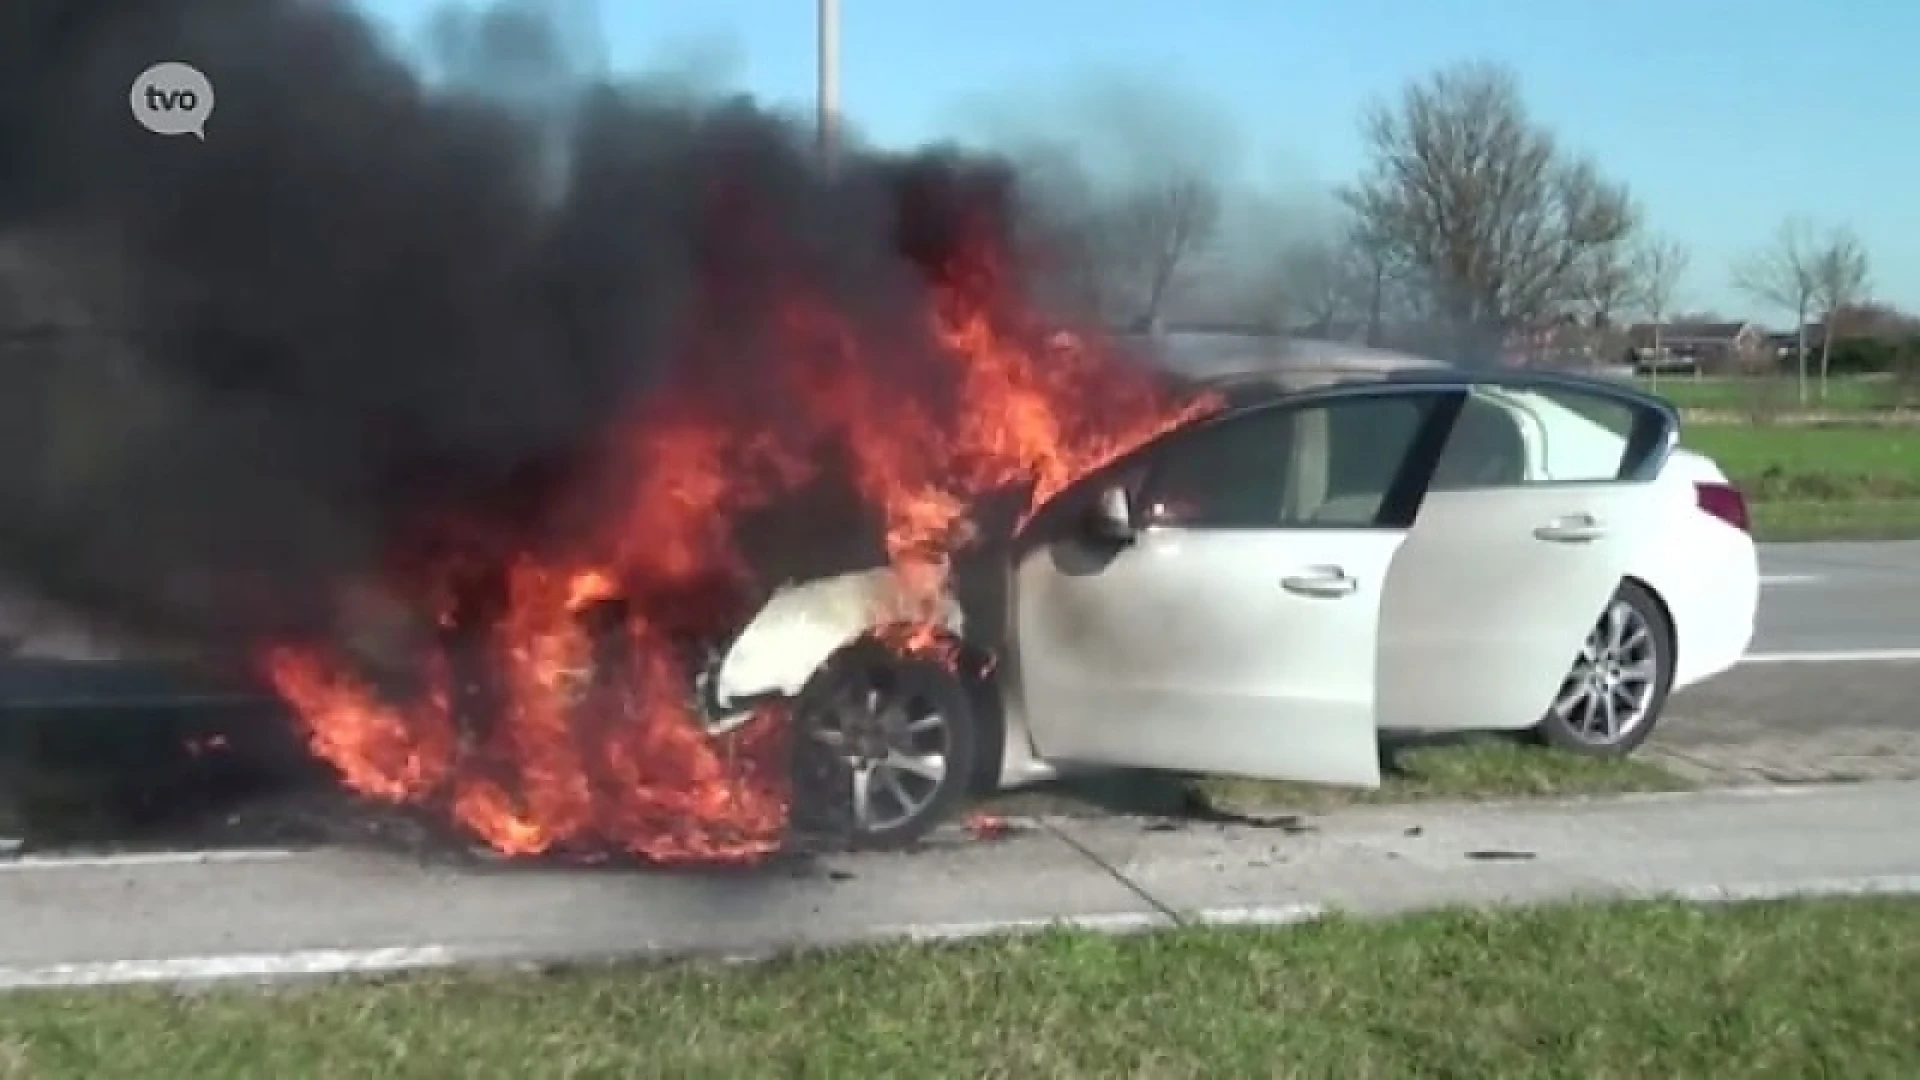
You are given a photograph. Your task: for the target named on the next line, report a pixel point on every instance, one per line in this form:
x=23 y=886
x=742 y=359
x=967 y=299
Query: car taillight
x=1725 y=502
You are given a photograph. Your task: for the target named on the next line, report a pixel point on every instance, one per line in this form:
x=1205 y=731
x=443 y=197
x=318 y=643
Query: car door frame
x=1460 y=603
x=1314 y=732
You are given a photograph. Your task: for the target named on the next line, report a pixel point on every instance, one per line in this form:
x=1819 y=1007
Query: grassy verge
x=1821 y=482
x=1800 y=988
x=1844 y=395
x=1476 y=769
x=1862 y=519
x=1471 y=769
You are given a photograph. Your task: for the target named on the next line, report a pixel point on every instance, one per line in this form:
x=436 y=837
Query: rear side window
x=1329 y=464
x=1523 y=436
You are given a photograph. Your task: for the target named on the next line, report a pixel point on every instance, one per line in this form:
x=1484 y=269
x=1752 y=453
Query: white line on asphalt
x=1791 y=579
x=1834 y=656
x=203 y=969
x=1120 y=922
x=143 y=858
x=1260 y=915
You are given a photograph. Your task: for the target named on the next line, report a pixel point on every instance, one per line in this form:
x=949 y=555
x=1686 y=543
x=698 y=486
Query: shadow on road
x=121 y=765
x=1141 y=793
x=118 y=758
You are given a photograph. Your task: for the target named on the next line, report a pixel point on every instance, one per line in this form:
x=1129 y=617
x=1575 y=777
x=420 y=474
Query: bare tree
x=1605 y=284
x=1124 y=171
x=1344 y=275
x=1311 y=284
x=1658 y=265
x=1480 y=204
x=1840 y=271
x=1784 y=277
x=1384 y=285
x=1153 y=234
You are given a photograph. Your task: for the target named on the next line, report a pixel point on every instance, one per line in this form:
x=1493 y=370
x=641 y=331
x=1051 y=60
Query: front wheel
x=885 y=746
x=1613 y=696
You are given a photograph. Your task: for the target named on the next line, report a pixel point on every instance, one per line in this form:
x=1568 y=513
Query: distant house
x=1562 y=342
x=1704 y=346
x=1785 y=343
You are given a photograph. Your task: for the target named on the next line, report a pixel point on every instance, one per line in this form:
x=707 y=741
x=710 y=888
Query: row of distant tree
x=1468 y=217
x=1468 y=214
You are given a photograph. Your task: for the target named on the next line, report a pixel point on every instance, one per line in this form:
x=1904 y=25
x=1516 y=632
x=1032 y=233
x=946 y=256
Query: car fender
x=804 y=623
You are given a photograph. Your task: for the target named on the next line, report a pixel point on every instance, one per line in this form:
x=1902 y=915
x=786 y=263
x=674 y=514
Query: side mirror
x=1111 y=515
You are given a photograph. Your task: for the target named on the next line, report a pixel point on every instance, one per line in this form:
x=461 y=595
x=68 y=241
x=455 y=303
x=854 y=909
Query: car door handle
x=1572 y=529
x=1324 y=581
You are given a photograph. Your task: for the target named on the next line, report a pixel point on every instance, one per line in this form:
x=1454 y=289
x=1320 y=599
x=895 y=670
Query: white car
x=1356 y=543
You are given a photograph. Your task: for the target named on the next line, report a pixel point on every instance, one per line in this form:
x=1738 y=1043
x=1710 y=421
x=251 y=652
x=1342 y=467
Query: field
x=1848 y=468
x=1787 y=988
x=1844 y=394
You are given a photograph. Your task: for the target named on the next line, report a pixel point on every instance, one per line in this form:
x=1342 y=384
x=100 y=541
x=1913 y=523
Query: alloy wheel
x=1610 y=692
x=896 y=742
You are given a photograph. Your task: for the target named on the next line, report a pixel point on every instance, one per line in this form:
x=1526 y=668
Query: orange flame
x=577 y=760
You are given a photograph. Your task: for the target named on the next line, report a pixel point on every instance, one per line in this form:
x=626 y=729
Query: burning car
x=1348 y=547
x=601 y=475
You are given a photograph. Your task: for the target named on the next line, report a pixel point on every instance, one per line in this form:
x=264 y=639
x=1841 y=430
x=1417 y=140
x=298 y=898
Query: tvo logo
x=172 y=98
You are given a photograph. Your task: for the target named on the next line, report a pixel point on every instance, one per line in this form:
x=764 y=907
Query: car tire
x=1632 y=634
x=868 y=710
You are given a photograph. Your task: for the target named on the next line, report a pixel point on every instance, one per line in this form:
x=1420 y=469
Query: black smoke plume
x=234 y=373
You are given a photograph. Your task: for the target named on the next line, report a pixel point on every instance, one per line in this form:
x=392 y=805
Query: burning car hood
x=802 y=623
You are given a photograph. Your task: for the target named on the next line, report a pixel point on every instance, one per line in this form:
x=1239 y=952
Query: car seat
x=1485 y=449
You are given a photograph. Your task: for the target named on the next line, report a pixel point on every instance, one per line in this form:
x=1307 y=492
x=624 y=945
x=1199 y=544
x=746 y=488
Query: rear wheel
x=1613 y=695
x=886 y=746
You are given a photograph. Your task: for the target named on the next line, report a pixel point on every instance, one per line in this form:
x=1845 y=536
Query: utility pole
x=827 y=18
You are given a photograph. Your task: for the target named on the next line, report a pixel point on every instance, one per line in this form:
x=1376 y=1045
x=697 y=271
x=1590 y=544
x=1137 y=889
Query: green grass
x=1814 y=462
x=1740 y=394
x=1786 y=988
x=1846 y=467
x=1856 y=519
x=1820 y=482
x=1476 y=769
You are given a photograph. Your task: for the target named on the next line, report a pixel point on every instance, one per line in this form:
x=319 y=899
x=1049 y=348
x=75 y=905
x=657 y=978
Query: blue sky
x=1724 y=116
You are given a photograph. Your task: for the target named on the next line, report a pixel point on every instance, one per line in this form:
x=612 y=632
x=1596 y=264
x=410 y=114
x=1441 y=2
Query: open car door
x=1227 y=619
x=1538 y=501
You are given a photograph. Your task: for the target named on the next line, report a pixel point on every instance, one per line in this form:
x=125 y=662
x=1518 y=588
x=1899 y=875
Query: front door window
x=1330 y=464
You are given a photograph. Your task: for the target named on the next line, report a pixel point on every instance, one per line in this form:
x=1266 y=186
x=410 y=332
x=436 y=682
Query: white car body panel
x=1483 y=586
x=1705 y=570
x=1183 y=650
x=802 y=624
x=1231 y=651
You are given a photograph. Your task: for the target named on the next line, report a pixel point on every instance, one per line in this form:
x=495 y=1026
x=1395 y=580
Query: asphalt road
x=1835 y=673
x=1831 y=686
x=1839 y=598
x=173 y=918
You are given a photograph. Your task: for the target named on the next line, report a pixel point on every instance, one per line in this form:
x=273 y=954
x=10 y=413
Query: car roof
x=1206 y=354
x=1246 y=371
x=1251 y=368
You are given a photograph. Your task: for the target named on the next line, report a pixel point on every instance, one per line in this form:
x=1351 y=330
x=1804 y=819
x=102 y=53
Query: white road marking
x=1121 y=922
x=1791 y=579
x=205 y=969
x=1833 y=656
x=25 y=863
x=1260 y=915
